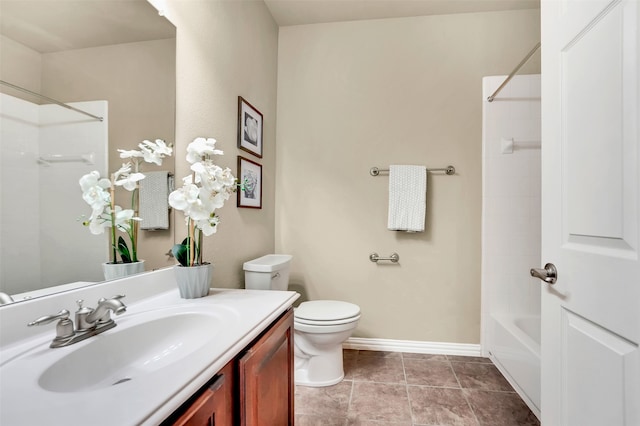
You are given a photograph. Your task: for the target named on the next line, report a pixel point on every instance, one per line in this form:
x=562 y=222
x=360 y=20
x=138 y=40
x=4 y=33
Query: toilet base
x=301 y=379
x=318 y=367
x=323 y=369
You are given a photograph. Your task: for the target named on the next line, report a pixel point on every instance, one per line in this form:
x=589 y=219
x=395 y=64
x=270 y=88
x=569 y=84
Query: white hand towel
x=407 y=198
x=154 y=201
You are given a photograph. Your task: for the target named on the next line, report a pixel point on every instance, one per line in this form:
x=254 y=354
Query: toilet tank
x=270 y=272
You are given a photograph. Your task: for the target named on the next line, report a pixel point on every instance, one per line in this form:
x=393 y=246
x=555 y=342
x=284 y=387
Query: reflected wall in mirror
x=111 y=58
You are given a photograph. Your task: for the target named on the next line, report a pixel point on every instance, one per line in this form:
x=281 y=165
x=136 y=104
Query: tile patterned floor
x=403 y=389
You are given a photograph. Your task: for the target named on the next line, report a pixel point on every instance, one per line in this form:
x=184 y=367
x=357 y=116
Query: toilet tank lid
x=326 y=310
x=268 y=263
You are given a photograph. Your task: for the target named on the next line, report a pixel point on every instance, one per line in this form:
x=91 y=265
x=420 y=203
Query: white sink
x=129 y=353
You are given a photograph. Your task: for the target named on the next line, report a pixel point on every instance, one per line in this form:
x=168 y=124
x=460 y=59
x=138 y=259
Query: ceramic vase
x=193 y=281
x=113 y=271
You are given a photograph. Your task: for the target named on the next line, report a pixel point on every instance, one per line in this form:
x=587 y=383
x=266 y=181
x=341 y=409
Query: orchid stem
x=112 y=201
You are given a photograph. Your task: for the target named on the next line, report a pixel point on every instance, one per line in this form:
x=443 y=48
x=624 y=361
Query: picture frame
x=249 y=128
x=250 y=176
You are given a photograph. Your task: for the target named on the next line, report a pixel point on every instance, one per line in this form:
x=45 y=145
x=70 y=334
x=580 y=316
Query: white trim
x=413 y=346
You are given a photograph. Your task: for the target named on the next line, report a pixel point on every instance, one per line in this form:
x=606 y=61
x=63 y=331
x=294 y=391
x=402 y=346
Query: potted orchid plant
x=99 y=193
x=203 y=192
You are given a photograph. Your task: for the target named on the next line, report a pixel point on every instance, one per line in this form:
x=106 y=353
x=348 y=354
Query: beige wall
x=355 y=95
x=227 y=49
x=20 y=66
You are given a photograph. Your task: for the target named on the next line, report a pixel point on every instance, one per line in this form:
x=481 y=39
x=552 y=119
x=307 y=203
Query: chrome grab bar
x=393 y=258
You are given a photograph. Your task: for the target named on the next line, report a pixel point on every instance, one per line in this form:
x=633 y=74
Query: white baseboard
x=412 y=346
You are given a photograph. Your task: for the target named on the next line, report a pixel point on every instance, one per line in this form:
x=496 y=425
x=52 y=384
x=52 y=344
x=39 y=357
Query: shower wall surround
x=511 y=197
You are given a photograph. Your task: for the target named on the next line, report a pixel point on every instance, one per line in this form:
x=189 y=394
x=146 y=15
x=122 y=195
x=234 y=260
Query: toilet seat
x=326 y=312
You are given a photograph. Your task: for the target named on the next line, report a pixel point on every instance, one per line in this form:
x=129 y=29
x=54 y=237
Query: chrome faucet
x=89 y=322
x=101 y=313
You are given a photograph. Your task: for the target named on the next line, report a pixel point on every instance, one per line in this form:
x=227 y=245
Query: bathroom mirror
x=118 y=54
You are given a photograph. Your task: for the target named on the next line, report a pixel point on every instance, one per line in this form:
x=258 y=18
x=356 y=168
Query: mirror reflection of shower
x=45 y=150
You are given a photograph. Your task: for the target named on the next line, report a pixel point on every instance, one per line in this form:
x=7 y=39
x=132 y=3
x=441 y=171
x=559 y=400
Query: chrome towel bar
x=450 y=170
x=393 y=258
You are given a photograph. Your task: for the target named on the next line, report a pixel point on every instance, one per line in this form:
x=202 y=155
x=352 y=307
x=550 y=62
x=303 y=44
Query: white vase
x=113 y=271
x=193 y=281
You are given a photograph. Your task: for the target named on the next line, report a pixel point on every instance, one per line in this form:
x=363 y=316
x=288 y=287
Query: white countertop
x=147 y=400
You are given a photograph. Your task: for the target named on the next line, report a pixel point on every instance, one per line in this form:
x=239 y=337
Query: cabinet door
x=214 y=405
x=266 y=377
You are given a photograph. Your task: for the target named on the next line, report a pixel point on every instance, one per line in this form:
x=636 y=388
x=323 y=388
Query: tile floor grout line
x=464 y=394
x=353 y=385
x=406 y=389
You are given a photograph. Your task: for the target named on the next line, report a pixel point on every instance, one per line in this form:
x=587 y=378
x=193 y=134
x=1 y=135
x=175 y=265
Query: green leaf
x=124 y=250
x=181 y=253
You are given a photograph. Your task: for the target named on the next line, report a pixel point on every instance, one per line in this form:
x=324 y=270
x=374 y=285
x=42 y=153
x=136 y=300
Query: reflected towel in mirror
x=154 y=201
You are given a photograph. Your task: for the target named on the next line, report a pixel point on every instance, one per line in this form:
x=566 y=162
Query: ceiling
x=300 y=12
x=53 y=25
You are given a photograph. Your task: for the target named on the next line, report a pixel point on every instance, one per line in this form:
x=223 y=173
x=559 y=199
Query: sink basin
x=127 y=353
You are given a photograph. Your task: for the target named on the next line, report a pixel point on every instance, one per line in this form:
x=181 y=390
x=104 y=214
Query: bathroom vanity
x=226 y=357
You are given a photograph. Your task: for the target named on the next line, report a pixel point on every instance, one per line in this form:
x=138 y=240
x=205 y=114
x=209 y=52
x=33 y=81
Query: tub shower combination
x=511 y=232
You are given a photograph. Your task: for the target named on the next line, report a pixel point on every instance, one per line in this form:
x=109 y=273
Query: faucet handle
x=62 y=315
x=64 y=328
x=117 y=297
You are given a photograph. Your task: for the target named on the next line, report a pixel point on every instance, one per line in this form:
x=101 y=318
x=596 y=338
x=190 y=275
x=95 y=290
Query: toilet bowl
x=320 y=326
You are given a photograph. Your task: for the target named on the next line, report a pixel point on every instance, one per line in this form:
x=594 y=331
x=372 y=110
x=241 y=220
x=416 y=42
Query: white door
x=590 y=212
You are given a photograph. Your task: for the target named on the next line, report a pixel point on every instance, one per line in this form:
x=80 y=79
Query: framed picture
x=249 y=128
x=250 y=176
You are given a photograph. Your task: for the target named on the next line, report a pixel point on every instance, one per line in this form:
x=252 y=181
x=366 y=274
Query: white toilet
x=320 y=326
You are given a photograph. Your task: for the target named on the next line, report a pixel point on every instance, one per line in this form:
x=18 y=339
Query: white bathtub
x=516 y=353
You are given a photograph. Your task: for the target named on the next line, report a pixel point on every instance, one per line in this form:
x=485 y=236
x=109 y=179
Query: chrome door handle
x=549 y=274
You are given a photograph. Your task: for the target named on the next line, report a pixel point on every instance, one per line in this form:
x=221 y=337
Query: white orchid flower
x=208 y=226
x=201 y=147
x=183 y=198
x=154 y=152
x=94 y=190
x=159 y=147
x=122 y=218
x=98 y=223
x=93 y=179
x=223 y=180
x=124 y=170
x=130 y=181
x=130 y=154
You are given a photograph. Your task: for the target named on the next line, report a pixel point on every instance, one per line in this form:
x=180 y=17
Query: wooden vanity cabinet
x=256 y=388
x=213 y=405
x=265 y=374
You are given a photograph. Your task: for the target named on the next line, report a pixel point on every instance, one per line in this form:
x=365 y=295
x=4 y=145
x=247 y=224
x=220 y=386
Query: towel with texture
x=154 y=201
x=407 y=198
